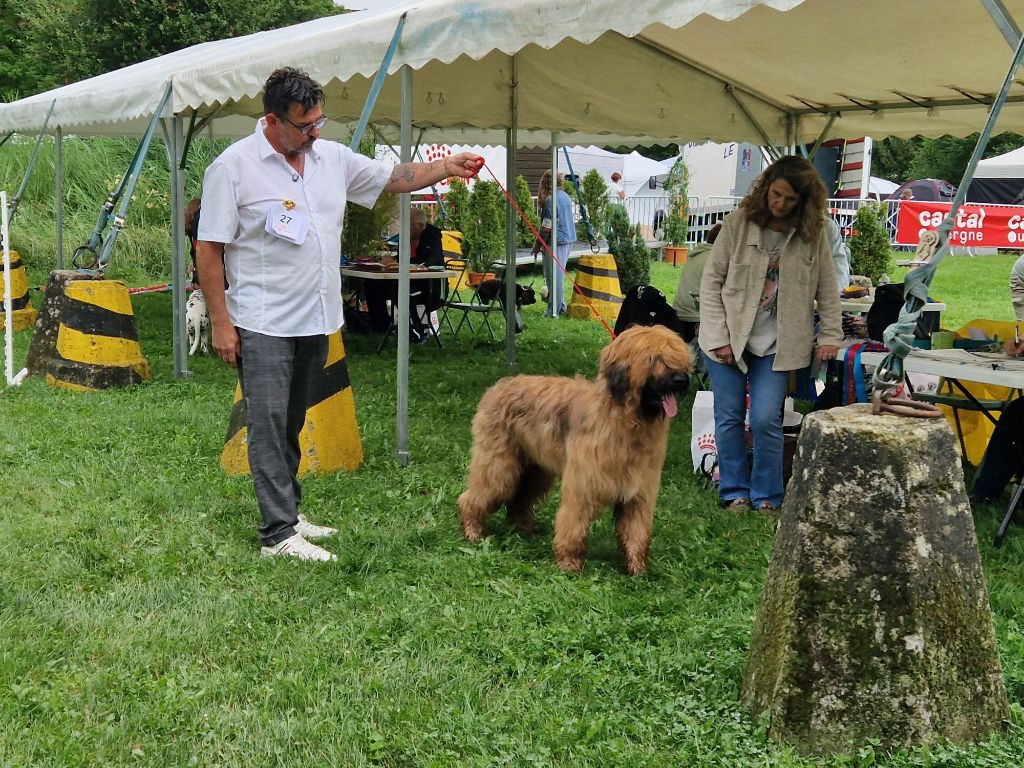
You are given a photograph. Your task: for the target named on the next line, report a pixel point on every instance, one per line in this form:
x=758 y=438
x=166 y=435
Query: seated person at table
x=424 y=296
x=1002 y=458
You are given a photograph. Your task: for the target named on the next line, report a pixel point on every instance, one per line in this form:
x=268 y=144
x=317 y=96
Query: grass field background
x=141 y=627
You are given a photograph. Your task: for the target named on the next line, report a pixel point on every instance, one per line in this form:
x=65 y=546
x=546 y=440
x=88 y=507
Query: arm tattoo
x=403 y=172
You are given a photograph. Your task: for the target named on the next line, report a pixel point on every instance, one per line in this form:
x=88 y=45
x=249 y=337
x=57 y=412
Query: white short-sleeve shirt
x=276 y=287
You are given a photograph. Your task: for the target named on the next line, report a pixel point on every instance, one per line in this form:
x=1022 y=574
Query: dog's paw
x=636 y=567
x=570 y=564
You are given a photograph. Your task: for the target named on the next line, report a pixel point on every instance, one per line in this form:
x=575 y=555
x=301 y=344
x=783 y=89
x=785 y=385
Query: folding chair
x=474 y=305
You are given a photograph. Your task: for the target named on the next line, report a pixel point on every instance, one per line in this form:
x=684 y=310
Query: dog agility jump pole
x=12 y=379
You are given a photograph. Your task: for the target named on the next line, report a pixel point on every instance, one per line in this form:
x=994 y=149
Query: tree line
x=48 y=43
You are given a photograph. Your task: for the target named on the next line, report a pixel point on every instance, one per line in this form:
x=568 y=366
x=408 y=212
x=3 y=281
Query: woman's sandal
x=767 y=508
x=737 y=504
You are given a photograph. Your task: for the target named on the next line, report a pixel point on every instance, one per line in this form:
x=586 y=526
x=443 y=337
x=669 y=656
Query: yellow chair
x=451 y=246
x=973 y=428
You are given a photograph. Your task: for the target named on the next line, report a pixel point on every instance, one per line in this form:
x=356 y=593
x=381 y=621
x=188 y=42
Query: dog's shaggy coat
x=605 y=438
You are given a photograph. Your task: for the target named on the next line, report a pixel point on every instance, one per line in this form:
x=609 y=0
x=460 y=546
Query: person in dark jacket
x=1004 y=456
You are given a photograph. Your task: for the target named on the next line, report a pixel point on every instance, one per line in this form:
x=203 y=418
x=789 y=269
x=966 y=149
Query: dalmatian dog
x=197 y=323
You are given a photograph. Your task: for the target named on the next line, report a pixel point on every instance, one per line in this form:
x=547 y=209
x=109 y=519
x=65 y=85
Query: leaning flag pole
x=12 y=380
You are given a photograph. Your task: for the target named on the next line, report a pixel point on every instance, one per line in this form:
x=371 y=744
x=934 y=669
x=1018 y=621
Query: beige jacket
x=731 y=287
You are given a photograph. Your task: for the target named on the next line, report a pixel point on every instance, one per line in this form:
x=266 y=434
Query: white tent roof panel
x=596 y=70
x=1006 y=166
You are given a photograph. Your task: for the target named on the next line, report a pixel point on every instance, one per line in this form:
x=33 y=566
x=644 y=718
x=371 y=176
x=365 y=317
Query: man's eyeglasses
x=306 y=129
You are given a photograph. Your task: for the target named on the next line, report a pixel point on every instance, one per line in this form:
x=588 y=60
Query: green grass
x=971 y=287
x=141 y=627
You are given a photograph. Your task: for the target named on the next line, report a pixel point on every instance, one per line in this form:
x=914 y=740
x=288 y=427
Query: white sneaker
x=296 y=546
x=309 y=531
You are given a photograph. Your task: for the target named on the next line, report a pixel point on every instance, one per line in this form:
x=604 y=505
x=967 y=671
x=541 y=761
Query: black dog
x=645 y=305
x=489 y=290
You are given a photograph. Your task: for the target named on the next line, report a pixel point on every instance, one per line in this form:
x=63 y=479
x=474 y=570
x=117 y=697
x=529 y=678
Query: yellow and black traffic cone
x=329 y=440
x=598 y=278
x=24 y=314
x=85 y=336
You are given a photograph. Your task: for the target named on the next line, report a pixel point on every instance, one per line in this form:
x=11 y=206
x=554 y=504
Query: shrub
x=456 y=204
x=595 y=198
x=570 y=188
x=869 y=245
x=366 y=229
x=526 y=203
x=627 y=245
x=483 y=239
x=677 y=185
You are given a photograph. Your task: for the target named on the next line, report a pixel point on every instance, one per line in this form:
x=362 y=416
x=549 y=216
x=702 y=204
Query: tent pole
x=821 y=136
x=511 y=266
x=58 y=192
x=405 y=133
x=175 y=160
x=553 y=269
x=12 y=205
x=1003 y=20
x=768 y=143
x=378 y=82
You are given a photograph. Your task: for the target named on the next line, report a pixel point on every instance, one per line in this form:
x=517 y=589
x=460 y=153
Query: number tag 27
x=290 y=225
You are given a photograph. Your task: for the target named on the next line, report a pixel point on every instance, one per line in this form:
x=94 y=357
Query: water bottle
x=884 y=279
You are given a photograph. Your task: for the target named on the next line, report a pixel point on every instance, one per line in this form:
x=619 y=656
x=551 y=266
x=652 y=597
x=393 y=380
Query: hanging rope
x=934 y=246
x=547 y=248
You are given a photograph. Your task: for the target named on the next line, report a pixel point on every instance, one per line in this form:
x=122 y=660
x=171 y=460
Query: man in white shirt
x=273 y=209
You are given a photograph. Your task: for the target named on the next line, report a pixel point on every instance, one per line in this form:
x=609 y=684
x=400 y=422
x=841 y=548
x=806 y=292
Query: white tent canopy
x=1008 y=166
x=774 y=71
x=881 y=187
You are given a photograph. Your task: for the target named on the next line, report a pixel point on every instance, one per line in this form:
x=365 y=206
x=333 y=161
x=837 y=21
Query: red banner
x=988 y=226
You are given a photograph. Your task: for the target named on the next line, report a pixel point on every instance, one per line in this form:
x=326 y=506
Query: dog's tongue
x=668 y=402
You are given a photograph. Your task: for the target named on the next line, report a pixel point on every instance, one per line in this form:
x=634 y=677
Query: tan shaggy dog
x=605 y=438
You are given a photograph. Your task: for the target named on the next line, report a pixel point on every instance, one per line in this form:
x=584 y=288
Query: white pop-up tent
x=880 y=188
x=999 y=179
x=773 y=72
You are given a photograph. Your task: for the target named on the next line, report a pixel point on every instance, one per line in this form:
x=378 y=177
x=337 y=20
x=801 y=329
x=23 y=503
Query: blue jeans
x=762 y=483
x=554 y=276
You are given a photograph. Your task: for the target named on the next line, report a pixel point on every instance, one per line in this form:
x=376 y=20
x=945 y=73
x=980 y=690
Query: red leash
x=151 y=288
x=547 y=248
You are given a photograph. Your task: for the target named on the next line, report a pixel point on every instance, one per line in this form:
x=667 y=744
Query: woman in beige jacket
x=768 y=267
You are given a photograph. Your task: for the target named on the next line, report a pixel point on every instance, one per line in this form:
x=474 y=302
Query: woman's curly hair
x=809 y=215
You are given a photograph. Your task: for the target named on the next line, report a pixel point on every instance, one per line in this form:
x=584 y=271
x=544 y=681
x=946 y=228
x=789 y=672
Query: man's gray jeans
x=276 y=375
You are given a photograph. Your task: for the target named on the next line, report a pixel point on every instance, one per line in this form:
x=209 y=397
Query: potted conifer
x=676 y=222
x=483 y=240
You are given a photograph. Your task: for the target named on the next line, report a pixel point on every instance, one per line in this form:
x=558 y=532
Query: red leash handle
x=547 y=248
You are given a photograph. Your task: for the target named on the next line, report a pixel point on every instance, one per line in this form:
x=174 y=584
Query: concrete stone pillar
x=875 y=621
